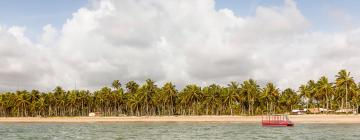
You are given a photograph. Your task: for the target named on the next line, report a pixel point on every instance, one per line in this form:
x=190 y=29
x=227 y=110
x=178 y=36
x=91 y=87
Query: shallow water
x=175 y=130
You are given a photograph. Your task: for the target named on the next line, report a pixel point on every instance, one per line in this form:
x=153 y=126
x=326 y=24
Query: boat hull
x=277 y=123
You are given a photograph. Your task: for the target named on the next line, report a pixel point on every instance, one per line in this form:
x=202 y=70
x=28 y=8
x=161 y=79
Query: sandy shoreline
x=325 y=119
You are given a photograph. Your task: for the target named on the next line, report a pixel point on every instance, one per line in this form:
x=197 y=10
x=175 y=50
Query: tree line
x=132 y=99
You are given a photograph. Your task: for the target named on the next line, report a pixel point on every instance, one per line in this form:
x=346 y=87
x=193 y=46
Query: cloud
x=181 y=41
x=48 y=36
x=22 y=63
x=342 y=18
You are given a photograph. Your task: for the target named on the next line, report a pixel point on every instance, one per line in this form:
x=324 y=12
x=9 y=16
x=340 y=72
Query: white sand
x=241 y=119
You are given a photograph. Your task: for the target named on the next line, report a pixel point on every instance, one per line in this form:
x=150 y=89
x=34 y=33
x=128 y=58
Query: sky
x=90 y=43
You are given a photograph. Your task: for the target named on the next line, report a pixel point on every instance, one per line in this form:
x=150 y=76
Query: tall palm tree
x=271 y=94
x=147 y=92
x=190 y=97
x=289 y=99
x=311 y=92
x=324 y=89
x=212 y=99
x=303 y=90
x=357 y=97
x=132 y=87
x=51 y=101
x=116 y=84
x=21 y=103
x=232 y=95
x=2 y=105
x=250 y=89
x=168 y=97
x=344 y=81
x=72 y=102
x=60 y=101
x=148 y=99
x=135 y=103
x=33 y=97
x=41 y=104
x=117 y=96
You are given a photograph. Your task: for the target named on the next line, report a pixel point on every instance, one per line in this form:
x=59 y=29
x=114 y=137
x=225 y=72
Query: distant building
x=317 y=110
x=297 y=112
x=94 y=114
x=346 y=111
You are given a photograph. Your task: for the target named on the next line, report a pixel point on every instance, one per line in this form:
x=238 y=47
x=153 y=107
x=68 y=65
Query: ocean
x=174 y=130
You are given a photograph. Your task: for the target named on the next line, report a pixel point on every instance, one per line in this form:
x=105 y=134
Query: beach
x=324 y=119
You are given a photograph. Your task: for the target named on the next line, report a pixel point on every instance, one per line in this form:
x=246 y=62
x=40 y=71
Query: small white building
x=94 y=114
x=346 y=111
x=297 y=112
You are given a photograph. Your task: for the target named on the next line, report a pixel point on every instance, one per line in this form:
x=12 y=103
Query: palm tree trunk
x=267 y=107
x=327 y=102
x=249 y=107
x=231 y=109
x=346 y=92
x=207 y=110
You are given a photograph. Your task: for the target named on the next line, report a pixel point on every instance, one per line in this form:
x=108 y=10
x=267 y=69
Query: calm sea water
x=170 y=131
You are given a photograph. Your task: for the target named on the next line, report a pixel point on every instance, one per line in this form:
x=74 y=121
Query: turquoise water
x=170 y=131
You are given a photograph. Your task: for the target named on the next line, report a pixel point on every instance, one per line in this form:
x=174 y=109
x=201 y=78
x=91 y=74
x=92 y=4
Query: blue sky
x=319 y=12
x=34 y=14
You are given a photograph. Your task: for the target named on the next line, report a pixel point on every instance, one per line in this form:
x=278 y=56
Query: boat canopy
x=276 y=120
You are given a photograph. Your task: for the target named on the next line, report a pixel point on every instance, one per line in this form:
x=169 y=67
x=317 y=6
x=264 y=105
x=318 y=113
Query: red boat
x=276 y=120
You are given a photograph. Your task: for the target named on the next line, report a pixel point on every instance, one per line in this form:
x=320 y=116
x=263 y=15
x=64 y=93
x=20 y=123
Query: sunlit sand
x=323 y=118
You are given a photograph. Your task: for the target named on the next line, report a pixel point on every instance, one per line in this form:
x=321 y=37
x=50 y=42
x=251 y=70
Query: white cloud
x=22 y=63
x=18 y=33
x=340 y=17
x=182 y=41
x=48 y=36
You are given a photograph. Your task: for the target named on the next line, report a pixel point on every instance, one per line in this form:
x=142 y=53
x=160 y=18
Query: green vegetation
x=246 y=98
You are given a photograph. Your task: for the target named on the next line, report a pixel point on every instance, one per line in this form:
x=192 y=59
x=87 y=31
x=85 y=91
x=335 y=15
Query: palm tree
x=357 y=97
x=132 y=87
x=271 y=94
x=103 y=101
x=51 y=101
x=148 y=99
x=303 y=90
x=135 y=103
x=289 y=99
x=250 y=89
x=33 y=97
x=232 y=95
x=117 y=97
x=21 y=103
x=83 y=97
x=324 y=89
x=190 y=97
x=116 y=84
x=60 y=101
x=344 y=81
x=168 y=97
x=212 y=99
x=41 y=104
x=72 y=102
x=310 y=92
x=2 y=105
x=147 y=92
